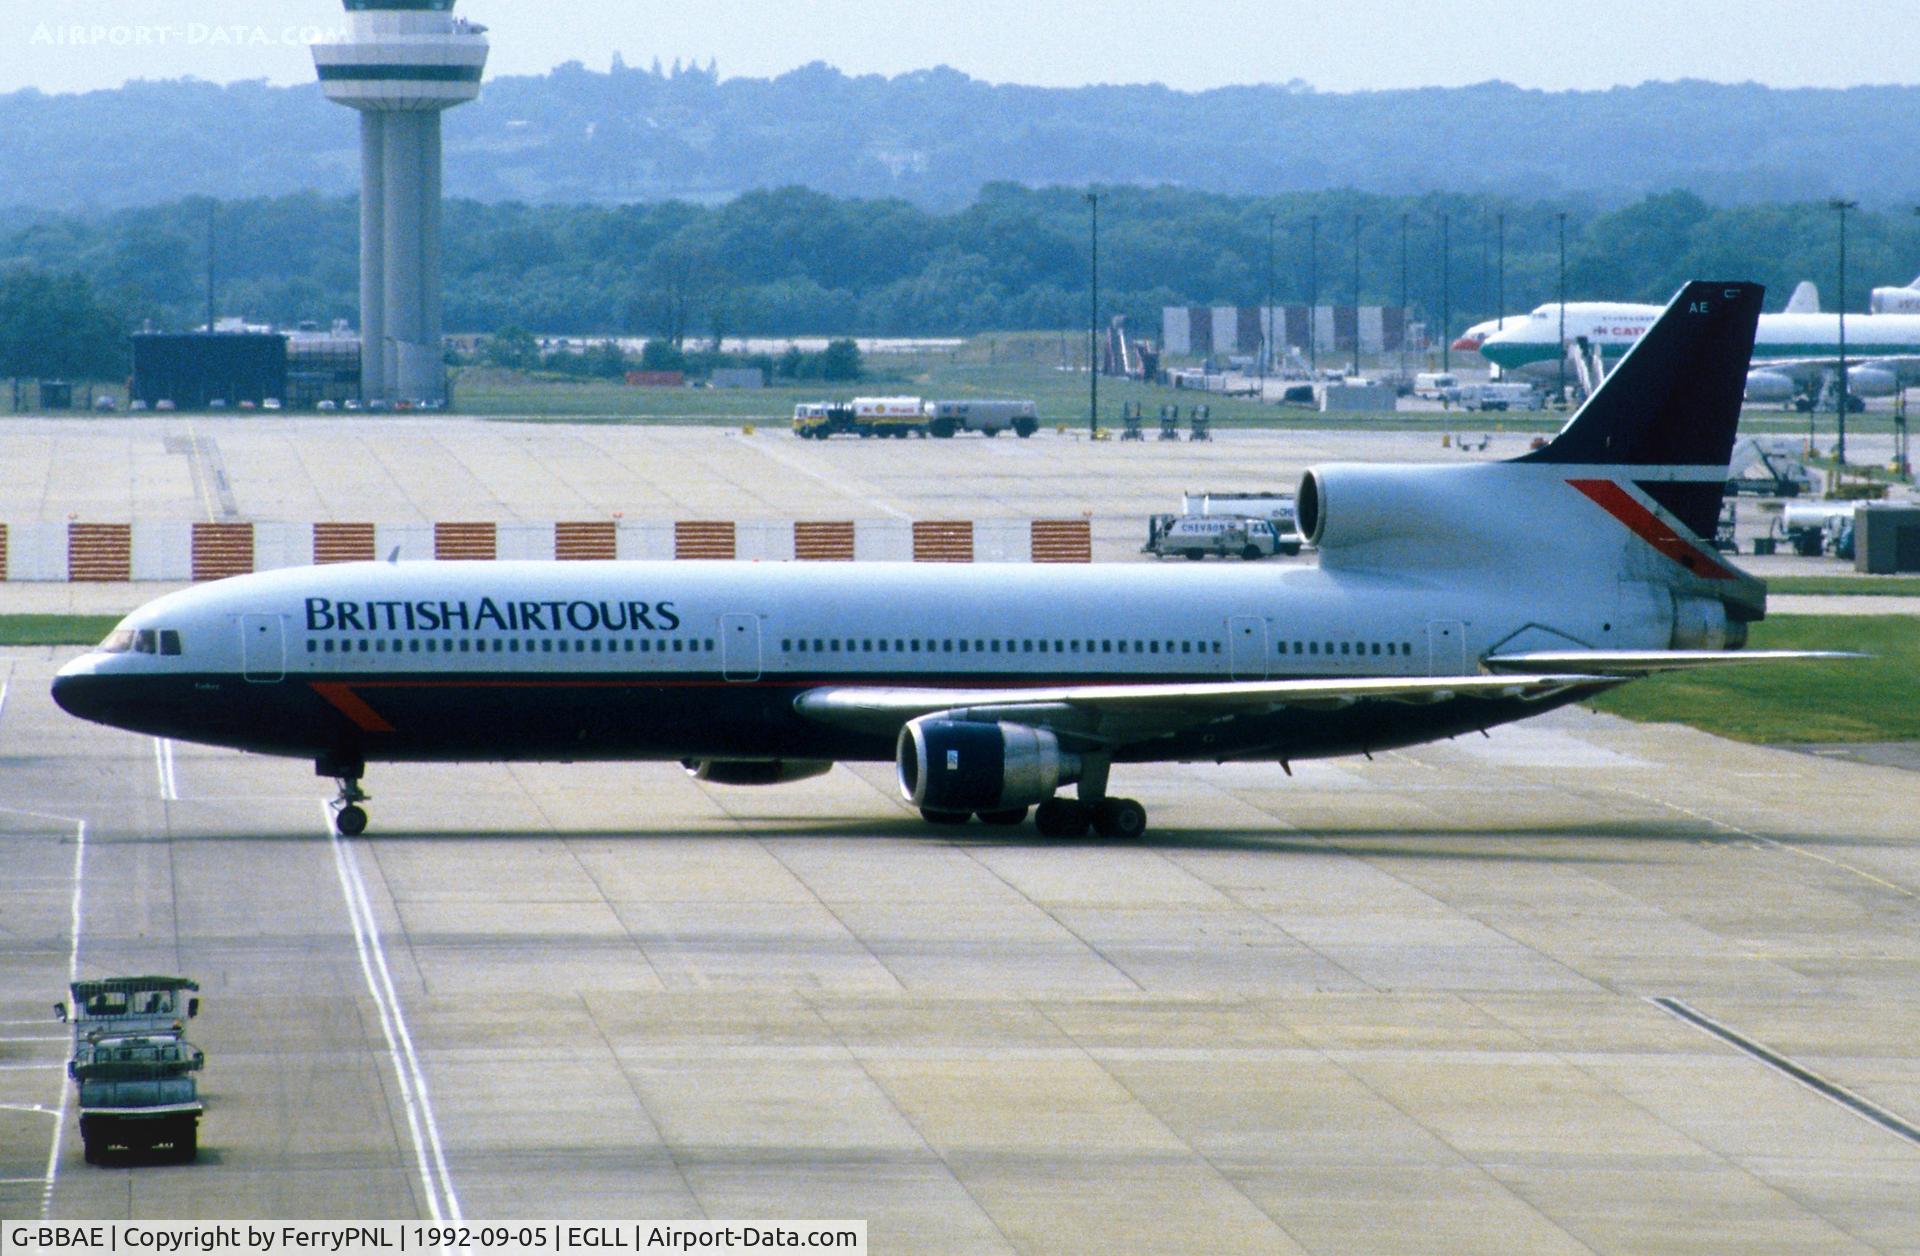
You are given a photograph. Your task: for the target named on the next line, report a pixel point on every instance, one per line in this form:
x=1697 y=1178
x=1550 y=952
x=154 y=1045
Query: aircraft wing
x=1116 y=713
x=1625 y=664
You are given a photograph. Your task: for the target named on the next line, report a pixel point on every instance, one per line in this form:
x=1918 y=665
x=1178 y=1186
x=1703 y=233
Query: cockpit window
x=141 y=641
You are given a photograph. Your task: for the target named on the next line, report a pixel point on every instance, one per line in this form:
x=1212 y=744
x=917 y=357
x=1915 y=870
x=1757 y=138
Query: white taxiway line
x=425 y=1130
x=163 y=766
x=73 y=975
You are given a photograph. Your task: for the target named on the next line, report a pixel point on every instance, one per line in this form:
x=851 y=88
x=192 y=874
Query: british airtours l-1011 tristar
x=1447 y=599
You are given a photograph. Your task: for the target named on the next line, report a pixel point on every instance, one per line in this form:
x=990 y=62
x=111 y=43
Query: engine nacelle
x=1872 y=381
x=1770 y=386
x=1701 y=623
x=755 y=771
x=1344 y=505
x=973 y=765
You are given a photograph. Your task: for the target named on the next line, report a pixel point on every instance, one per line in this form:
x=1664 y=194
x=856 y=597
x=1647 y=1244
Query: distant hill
x=935 y=137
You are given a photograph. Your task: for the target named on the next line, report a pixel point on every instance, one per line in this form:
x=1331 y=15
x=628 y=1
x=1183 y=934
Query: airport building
x=405 y=62
x=1201 y=331
x=193 y=370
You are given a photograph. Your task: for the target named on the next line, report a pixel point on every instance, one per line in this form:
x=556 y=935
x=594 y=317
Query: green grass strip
x=55 y=629
x=1846 y=586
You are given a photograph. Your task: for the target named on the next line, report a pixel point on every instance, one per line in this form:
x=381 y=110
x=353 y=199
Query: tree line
x=797 y=262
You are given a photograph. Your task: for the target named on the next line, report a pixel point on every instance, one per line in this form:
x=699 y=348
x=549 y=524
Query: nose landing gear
x=349 y=817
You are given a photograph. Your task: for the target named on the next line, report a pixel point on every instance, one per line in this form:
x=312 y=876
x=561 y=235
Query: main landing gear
x=349 y=817
x=1121 y=818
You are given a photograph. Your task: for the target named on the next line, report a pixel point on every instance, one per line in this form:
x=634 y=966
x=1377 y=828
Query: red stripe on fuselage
x=349 y=704
x=1649 y=527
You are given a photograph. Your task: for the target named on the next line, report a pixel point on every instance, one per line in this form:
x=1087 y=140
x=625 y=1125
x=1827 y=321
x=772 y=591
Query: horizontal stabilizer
x=1629 y=663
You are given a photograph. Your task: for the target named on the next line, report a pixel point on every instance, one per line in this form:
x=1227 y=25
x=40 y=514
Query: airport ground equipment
x=1130 y=419
x=1496 y=397
x=990 y=418
x=1169 y=422
x=1200 y=423
x=863 y=416
x=134 y=1066
x=1767 y=467
x=1279 y=509
x=1196 y=536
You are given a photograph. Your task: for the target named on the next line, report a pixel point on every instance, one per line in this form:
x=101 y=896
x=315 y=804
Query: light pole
x=1446 y=293
x=1313 y=294
x=1561 y=218
x=1093 y=321
x=1404 y=219
x=1500 y=298
x=1266 y=313
x=1841 y=207
x=1356 y=296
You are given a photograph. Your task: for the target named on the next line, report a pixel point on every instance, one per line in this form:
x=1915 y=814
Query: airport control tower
x=405 y=61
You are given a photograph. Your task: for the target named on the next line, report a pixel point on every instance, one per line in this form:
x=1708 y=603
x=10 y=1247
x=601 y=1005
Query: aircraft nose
x=80 y=692
x=70 y=694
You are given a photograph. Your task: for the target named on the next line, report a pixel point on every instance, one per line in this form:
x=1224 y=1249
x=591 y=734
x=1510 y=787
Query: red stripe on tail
x=1649 y=527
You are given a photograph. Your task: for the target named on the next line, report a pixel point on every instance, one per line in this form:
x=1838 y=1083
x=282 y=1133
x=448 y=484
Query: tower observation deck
x=405 y=62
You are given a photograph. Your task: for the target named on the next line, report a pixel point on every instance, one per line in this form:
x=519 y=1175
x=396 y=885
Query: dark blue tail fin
x=1674 y=400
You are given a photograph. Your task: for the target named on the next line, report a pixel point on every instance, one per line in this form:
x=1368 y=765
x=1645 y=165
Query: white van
x=1434 y=383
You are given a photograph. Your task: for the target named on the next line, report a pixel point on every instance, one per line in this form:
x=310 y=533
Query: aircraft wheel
x=351 y=821
x=1062 y=817
x=943 y=817
x=1119 y=817
x=1004 y=819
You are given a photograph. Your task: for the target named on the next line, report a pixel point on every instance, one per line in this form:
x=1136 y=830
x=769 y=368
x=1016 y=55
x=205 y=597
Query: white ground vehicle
x=1278 y=509
x=949 y=418
x=1496 y=397
x=1434 y=383
x=1196 y=536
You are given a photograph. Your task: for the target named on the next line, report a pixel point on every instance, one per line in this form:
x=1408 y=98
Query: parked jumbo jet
x=1447 y=600
x=1796 y=353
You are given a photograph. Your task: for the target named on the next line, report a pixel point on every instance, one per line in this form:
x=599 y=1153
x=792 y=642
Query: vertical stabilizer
x=1667 y=414
x=1805 y=299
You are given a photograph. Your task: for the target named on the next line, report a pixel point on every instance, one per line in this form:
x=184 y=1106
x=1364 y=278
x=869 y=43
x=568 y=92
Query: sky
x=1335 y=45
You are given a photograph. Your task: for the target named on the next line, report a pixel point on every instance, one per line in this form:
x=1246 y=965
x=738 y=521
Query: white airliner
x=1447 y=600
x=1579 y=313
x=1796 y=353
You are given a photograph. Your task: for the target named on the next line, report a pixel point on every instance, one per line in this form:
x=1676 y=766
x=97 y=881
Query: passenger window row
x=1399 y=649
x=992 y=645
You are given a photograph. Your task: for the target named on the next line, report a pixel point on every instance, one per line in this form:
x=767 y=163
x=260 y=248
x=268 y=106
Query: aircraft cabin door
x=740 y=647
x=1247 y=647
x=263 y=648
x=1447 y=648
